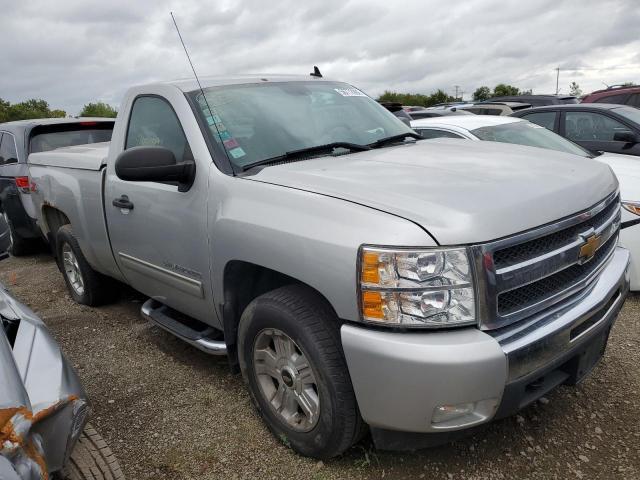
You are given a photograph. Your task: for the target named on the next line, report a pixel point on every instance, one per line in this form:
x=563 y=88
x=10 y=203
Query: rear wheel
x=292 y=361
x=92 y=459
x=18 y=246
x=85 y=285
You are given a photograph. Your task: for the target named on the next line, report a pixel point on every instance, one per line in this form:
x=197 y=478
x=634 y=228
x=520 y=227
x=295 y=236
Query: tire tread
x=92 y=459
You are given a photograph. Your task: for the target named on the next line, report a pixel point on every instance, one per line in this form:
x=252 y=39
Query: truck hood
x=459 y=191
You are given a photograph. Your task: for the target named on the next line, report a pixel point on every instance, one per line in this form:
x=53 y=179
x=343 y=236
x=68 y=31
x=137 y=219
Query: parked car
x=398 y=111
x=522 y=132
x=355 y=275
x=598 y=127
x=43 y=407
x=19 y=139
x=536 y=100
x=438 y=112
x=496 y=108
x=412 y=108
x=618 y=94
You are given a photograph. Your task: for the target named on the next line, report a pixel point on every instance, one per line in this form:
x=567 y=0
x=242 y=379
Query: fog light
x=445 y=413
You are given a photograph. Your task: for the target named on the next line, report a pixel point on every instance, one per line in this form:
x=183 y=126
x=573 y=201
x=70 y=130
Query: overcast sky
x=70 y=52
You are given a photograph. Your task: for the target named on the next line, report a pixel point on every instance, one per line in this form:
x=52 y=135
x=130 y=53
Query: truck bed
x=71 y=180
x=84 y=157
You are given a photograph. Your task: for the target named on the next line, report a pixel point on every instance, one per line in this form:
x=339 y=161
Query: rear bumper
x=22 y=223
x=401 y=378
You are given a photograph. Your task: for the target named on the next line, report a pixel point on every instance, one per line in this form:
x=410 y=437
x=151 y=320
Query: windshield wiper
x=303 y=152
x=395 y=138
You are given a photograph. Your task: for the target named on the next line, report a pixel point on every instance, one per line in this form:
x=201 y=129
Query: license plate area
x=586 y=359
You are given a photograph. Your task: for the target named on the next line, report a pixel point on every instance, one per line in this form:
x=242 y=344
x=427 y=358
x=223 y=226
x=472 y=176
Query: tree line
x=440 y=96
x=38 y=108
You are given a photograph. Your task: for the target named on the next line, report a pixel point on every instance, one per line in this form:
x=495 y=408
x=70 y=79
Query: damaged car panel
x=43 y=407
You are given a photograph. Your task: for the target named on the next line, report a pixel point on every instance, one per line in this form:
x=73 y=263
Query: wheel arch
x=243 y=282
x=53 y=218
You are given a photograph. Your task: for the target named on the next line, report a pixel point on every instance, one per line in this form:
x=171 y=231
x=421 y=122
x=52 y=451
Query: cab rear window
x=50 y=137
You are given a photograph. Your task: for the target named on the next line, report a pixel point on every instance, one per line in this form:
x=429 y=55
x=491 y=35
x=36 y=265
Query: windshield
x=530 y=134
x=630 y=113
x=255 y=122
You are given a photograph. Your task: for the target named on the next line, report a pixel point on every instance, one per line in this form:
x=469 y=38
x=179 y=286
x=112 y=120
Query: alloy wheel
x=286 y=379
x=72 y=269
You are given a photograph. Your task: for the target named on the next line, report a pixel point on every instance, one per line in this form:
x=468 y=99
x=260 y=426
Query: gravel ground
x=172 y=412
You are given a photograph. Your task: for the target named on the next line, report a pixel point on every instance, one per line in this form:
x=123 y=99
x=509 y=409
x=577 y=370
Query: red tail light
x=22 y=182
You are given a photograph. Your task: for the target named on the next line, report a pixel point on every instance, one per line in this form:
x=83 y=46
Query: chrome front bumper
x=400 y=378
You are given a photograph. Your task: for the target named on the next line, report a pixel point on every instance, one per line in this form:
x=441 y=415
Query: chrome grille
x=514 y=300
x=533 y=248
x=522 y=275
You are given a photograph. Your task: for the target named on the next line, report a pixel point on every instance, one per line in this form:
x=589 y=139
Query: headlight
x=631 y=206
x=416 y=288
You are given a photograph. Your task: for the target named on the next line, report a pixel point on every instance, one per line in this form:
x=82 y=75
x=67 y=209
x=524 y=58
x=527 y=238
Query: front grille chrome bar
x=601 y=223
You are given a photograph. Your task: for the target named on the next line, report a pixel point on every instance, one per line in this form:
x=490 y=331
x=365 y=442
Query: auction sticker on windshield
x=349 y=92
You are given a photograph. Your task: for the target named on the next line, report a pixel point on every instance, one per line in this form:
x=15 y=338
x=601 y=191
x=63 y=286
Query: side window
x=621 y=98
x=544 y=119
x=434 y=133
x=154 y=123
x=634 y=100
x=590 y=126
x=8 y=152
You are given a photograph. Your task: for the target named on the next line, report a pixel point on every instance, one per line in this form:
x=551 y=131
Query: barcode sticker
x=349 y=92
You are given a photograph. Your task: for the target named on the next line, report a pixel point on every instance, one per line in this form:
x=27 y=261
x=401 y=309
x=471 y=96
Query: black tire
x=92 y=459
x=311 y=323
x=18 y=246
x=96 y=288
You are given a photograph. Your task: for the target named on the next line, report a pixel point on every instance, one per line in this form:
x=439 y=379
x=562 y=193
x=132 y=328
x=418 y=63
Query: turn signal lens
x=630 y=206
x=370 y=263
x=372 y=305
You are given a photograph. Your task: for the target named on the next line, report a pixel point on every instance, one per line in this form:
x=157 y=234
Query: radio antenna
x=202 y=91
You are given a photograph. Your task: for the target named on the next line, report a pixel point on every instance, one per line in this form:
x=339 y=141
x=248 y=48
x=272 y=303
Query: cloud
x=73 y=52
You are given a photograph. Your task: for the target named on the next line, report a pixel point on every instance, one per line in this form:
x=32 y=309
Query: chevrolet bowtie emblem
x=588 y=250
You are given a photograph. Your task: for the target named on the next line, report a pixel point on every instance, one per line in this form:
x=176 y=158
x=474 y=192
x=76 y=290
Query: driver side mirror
x=154 y=164
x=627 y=137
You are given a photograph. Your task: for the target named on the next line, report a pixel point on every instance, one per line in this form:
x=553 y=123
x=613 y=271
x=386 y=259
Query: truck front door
x=159 y=234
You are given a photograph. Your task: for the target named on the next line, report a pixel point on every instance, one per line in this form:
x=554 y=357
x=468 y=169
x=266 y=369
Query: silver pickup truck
x=357 y=276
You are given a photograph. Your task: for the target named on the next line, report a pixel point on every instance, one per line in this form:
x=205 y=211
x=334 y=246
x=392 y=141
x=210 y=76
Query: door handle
x=123 y=202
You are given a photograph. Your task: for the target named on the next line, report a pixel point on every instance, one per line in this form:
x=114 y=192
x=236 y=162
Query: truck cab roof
x=190 y=84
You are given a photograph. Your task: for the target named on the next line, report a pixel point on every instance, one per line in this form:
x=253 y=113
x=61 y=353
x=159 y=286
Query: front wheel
x=92 y=459
x=292 y=361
